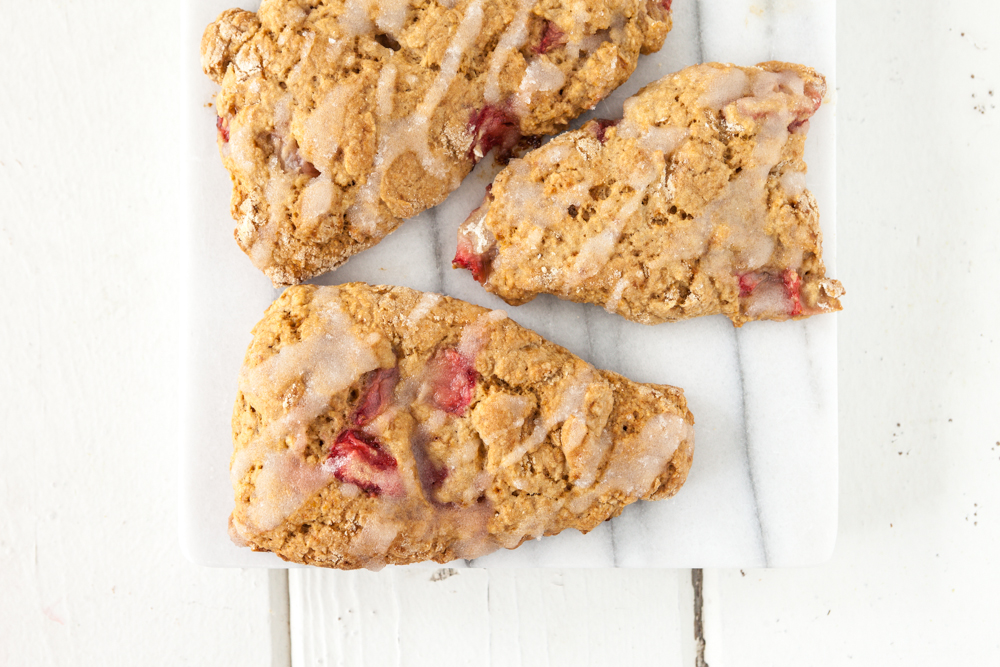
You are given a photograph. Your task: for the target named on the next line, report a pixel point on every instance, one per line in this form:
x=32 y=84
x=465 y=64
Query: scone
x=339 y=119
x=380 y=425
x=693 y=204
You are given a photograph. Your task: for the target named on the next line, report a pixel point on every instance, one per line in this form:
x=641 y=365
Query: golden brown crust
x=542 y=441
x=694 y=204
x=337 y=121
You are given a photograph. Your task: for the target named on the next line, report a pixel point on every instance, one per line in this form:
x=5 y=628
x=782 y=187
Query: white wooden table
x=90 y=570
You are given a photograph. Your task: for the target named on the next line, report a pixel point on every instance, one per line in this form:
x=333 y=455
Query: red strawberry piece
x=466 y=258
x=600 y=128
x=816 y=95
x=376 y=395
x=360 y=459
x=431 y=475
x=552 y=37
x=222 y=127
x=472 y=236
x=289 y=157
x=453 y=381
x=435 y=475
x=309 y=169
x=748 y=283
x=793 y=288
x=805 y=113
x=493 y=127
x=666 y=4
x=781 y=292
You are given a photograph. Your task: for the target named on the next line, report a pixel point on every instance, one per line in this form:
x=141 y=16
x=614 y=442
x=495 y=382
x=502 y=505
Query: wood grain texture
x=913 y=579
x=524 y=618
x=90 y=570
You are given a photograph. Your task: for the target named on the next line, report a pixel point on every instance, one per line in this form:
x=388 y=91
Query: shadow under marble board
x=763 y=487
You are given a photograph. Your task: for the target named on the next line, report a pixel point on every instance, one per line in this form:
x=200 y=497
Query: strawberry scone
x=693 y=204
x=379 y=425
x=338 y=119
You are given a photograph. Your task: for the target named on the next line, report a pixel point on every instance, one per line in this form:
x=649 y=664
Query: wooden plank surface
x=526 y=618
x=913 y=580
x=90 y=568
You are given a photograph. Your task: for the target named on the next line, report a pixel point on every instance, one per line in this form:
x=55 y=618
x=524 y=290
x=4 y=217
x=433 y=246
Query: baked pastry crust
x=380 y=425
x=693 y=204
x=338 y=119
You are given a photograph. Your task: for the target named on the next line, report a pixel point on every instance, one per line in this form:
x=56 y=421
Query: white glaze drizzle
x=572 y=392
x=336 y=357
x=513 y=38
x=611 y=305
x=537 y=209
x=356 y=20
x=723 y=87
x=771 y=100
x=343 y=358
x=324 y=124
x=596 y=252
x=474 y=336
x=465 y=36
x=498 y=433
x=242 y=146
x=308 y=41
x=664 y=139
x=474 y=228
x=392 y=15
x=768 y=299
x=794 y=183
x=656 y=444
x=411 y=134
x=741 y=207
x=574 y=42
x=541 y=75
x=637 y=461
x=327 y=121
x=421 y=310
x=316 y=199
x=365 y=213
x=426 y=520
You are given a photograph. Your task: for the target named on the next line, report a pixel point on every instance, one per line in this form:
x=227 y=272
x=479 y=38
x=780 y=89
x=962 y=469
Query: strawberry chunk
x=476 y=244
x=453 y=381
x=467 y=258
x=793 y=288
x=666 y=4
x=287 y=151
x=600 y=128
x=360 y=459
x=748 y=283
x=805 y=113
x=493 y=127
x=552 y=37
x=778 y=295
x=222 y=127
x=376 y=395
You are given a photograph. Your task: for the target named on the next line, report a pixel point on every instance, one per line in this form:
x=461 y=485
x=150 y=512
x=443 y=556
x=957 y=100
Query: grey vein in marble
x=763 y=487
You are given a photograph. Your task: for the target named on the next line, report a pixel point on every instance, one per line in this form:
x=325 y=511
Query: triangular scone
x=383 y=425
x=693 y=204
x=338 y=119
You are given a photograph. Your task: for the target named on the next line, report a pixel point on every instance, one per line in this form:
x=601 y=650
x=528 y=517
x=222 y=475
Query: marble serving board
x=763 y=487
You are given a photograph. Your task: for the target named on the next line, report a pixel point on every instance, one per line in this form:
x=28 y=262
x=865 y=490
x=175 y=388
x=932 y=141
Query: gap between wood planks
x=281 y=643
x=698 y=582
x=281 y=629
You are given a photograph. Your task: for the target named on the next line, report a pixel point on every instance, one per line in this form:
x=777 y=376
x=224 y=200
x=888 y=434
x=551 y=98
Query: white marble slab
x=763 y=487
